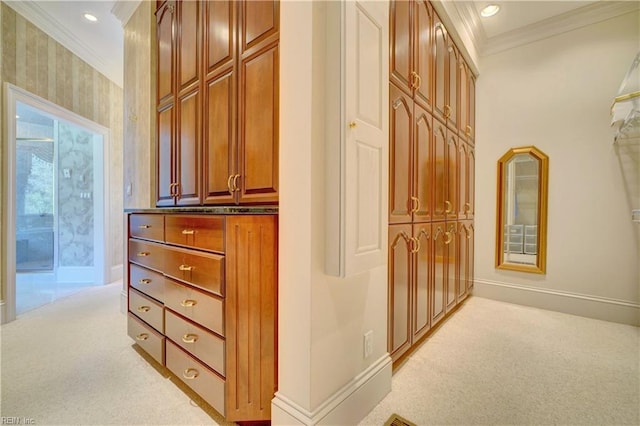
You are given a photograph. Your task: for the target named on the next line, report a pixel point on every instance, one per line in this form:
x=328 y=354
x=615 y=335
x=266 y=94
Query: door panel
x=188 y=150
x=401 y=45
x=219 y=148
x=452 y=95
x=451 y=244
x=188 y=50
x=400 y=124
x=441 y=68
x=423 y=183
x=471 y=179
x=451 y=198
x=399 y=335
x=165 y=51
x=423 y=56
x=440 y=269
x=440 y=170
x=219 y=36
x=422 y=284
x=165 y=173
x=259 y=20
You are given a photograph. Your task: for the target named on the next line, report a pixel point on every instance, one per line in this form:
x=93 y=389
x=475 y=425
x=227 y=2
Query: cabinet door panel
x=463 y=89
x=440 y=269
x=422 y=284
x=259 y=21
x=188 y=149
x=451 y=244
x=451 y=186
x=165 y=173
x=440 y=170
x=219 y=147
x=465 y=259
x=401 y=45
x=452 y=94
x=399 y=334
x=400 y=124
x=188 y=39
x=471 y=182
x=440 y=68
x=164 y=47
x=258 y=137
x=423 y=184
x=463 y=180
x=472 y=109
x=219 y=35
x=423 y=57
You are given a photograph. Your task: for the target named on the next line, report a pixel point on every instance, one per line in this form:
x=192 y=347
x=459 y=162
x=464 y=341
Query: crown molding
x=461 y=27
x=124 y=9
x=52 y=27
x=587 y=15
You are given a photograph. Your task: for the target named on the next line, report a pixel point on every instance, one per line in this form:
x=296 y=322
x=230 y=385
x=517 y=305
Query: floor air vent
x=396 y=420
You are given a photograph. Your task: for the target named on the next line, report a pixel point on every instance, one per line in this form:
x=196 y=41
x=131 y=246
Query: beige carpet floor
x=71 y=363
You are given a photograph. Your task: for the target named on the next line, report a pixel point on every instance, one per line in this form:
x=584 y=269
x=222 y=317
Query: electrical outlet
x=368 y=343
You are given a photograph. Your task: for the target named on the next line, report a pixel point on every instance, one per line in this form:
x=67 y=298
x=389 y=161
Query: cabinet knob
x=447 y=111
x=143 y=254
x=353 y=124
x=144 y=281
x=143 y=309
x=448 y=237
x=467 y=207
x=447 y=206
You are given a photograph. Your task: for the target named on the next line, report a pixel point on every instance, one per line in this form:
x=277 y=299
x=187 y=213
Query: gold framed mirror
x=521 y=228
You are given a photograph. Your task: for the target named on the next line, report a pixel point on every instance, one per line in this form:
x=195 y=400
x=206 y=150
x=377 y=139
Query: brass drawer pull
x=144 y=281
x=187 y=303
x=190 y=373
x=143 y=309
x=447 y=206
x=185 y=267
x=143 y=253
x=144 y=226
x=142 y=337
x=188 y=232
x=190 y=338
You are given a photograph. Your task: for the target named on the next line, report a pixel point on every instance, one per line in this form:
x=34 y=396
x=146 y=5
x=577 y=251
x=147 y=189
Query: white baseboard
x=620 y=311
x=347 y=406
x=124 y=303
x=3 y=312
x=117 y=272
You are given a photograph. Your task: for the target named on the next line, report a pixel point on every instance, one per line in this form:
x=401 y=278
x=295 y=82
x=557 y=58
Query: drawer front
x=147 y=226
x=146 y=309
x=201 y=232
x=198 y=306
x=147 y=281
x=204 y=270
x=199 y=342
x=146 y=337
x=198 y=377
x=146 y=254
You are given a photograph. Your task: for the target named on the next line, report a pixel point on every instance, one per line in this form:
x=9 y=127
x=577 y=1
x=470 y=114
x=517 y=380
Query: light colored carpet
x=497 y=363
x=72 y=363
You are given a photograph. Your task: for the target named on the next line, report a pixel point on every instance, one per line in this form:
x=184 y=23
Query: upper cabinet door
x=165 y=50
x=451 y=109
x=441 y=68
x=259 y=24
x=401 y=45
x=463 y=91
x=219 y=37
x=187 y=150
x=472 y=109
x=165 y=170
x=188 y=44
x=422 y=165
x=423 y=54
x=401 y=202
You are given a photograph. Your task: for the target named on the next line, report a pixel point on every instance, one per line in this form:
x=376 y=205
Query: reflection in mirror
x=522 y=210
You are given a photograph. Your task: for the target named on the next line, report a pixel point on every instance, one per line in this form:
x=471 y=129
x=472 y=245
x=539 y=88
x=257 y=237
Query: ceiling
x=101 y=43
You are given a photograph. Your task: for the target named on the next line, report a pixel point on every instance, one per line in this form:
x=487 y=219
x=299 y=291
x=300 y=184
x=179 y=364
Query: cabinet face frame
x=501 y=215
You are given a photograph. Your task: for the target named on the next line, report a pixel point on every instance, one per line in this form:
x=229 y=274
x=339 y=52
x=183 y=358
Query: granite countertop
x=208 y=210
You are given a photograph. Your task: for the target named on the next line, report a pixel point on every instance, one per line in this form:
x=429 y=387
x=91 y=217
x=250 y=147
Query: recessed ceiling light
x=90 y=17
x=17 y=116
x=489 y=10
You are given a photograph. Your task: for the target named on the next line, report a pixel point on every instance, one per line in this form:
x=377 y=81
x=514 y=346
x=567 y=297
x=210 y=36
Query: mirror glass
x=522 y=210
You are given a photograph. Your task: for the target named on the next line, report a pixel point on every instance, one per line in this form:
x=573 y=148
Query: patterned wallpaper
x=75 y=209
x=37 y=63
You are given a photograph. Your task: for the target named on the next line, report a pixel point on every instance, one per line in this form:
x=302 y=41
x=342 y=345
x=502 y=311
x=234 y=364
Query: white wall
x=322 y=318
x=556 y=94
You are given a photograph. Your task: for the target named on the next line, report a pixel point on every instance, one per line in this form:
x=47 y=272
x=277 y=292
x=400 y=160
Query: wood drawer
x=200 y=307
x=199 y=342
x=147 y=226
x=146 y=309
x=147 y=281
x=146 y=253
x=201 y=232
x=204 y=270
x=197 y=376
x=146 y=337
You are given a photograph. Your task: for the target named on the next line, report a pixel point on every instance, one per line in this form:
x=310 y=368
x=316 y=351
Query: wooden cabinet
x=203 y=303
x=217 y=102
x=431 y=175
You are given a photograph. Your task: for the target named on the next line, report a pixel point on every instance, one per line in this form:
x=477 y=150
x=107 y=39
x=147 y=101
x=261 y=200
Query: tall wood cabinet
x=431 y=174
x=217 y=102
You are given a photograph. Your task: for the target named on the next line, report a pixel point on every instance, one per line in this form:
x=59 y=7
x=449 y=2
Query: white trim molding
x=123 y=10
x=347 y=406
x=597 y=307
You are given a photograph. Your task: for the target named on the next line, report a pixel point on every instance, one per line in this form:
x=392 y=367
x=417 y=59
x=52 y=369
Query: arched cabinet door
x=401 y=45
x=465 y=259
x=440 y=243
x=451 y=243
x=422 y=247
x=422 y=165
x=400 y=155
x=399 y=289
x=423 y=54
x=440 y=68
